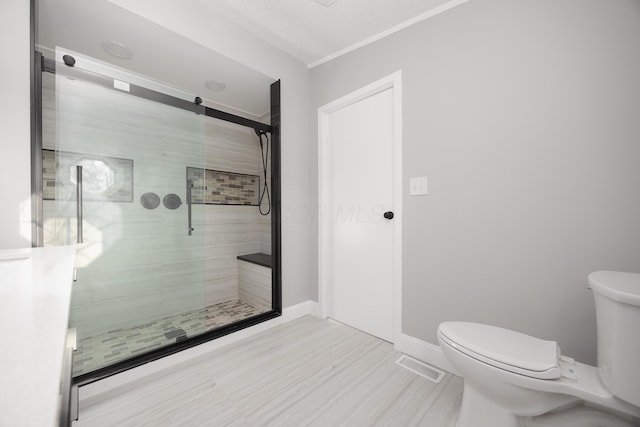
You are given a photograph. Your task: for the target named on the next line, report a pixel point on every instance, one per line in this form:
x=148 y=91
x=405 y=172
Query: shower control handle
x=79 y=216
x=189 y=223
x=388 y=215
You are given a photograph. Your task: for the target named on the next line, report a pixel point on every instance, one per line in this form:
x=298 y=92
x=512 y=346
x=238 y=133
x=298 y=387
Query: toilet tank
x=617 y=299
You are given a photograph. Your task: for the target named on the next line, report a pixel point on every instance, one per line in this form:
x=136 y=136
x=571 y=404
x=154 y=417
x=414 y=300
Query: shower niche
x=172 y=200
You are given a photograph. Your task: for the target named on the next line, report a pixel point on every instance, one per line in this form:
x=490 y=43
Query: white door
x=358 y=181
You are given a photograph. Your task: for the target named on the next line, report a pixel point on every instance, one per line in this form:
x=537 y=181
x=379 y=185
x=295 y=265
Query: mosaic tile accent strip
x=115 y=346
x=108 y=179
x=223 y=188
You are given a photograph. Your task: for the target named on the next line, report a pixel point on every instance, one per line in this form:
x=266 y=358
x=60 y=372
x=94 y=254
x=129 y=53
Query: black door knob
x=388 y=215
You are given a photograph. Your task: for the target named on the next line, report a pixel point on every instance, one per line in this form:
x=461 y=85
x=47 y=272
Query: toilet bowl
x=516 y=380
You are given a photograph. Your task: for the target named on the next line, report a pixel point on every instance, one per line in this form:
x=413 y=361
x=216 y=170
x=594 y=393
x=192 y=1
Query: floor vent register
x=420 y=368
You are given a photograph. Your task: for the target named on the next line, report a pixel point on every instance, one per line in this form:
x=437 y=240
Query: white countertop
x=35 y=294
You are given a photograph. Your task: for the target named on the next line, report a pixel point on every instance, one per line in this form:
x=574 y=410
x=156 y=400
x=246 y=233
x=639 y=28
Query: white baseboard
x=299 y=310
x=424 y=351
x=99 y=390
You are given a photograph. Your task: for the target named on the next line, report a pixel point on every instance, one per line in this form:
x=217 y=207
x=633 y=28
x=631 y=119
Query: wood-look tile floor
x=308 y=372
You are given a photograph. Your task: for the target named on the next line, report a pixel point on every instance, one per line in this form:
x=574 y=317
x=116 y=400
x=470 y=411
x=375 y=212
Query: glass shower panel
x=116 y=187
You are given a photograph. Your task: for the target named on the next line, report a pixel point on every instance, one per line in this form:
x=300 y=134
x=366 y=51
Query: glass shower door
x=116 y=187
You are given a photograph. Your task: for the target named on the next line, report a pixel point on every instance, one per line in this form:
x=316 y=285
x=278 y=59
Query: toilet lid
x=504 y=349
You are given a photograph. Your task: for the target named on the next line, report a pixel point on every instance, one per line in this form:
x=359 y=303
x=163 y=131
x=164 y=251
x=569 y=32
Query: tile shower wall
x=144 y=266
x=223 y=188
x=230 y=230
x=230 y=147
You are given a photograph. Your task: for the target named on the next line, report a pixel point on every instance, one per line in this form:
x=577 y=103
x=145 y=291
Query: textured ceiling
x=310 y=31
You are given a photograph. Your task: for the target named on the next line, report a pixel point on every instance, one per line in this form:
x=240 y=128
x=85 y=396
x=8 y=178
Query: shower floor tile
x=114 y=346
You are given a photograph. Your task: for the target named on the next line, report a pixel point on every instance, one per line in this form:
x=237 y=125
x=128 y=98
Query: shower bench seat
x=254 y=279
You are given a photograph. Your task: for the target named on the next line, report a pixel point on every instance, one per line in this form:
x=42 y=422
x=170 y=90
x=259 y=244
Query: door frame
x=394 y=82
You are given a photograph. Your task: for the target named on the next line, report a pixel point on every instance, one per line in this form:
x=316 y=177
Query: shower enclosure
x=173 y=207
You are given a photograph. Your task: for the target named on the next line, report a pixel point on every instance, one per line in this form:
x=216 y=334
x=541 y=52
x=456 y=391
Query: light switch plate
x=418 y=186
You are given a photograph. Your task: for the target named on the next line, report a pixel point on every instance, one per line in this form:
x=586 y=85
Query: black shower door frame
x=41 y=64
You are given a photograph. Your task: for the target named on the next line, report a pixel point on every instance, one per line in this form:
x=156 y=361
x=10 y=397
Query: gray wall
x=525 y=116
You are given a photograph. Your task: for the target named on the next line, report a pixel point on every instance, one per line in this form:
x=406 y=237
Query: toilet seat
x=504 y=349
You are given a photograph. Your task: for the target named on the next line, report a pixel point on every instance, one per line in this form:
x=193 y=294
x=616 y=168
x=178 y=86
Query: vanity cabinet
x=36 y=347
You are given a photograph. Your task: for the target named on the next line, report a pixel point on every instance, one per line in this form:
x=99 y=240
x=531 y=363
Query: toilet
x=516 y=380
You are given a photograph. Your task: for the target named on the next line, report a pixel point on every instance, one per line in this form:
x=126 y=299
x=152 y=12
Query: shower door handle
x=79 y=203
x=189 y=187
